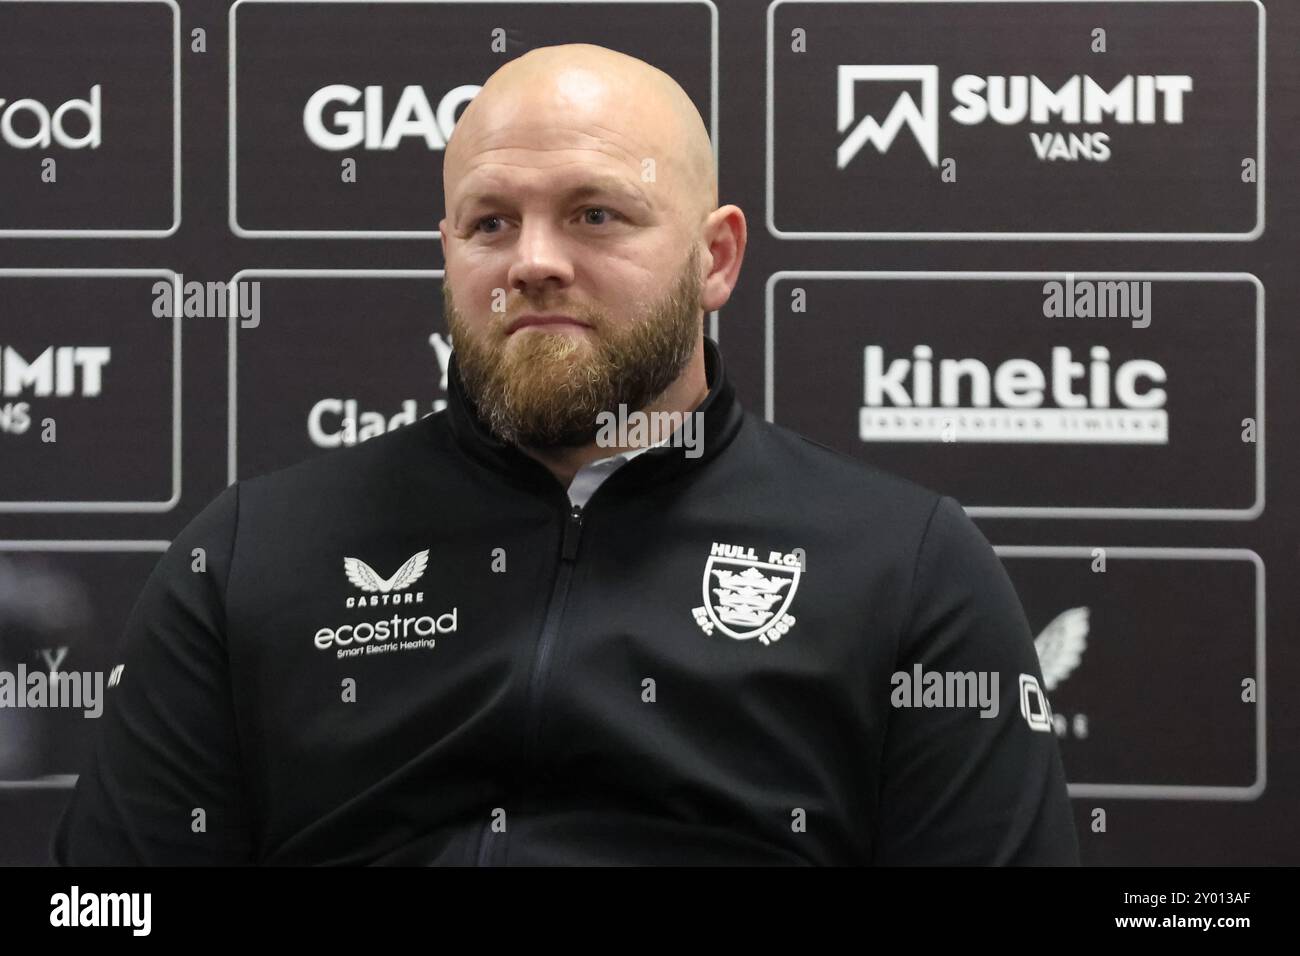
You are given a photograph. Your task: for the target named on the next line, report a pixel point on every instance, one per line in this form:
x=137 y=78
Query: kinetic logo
x=902 y=401
x=1011 y=101
x=329 y=127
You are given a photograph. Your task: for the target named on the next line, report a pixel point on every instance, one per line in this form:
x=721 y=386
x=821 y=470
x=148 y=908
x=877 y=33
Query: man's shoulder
x=820 y=472
x=343 y=470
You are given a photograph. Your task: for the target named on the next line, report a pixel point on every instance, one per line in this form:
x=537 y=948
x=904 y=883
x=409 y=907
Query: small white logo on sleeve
x=102 y=909
x=1037 y=713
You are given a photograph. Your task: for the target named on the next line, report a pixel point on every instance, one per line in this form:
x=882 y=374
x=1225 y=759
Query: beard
x=541 y=389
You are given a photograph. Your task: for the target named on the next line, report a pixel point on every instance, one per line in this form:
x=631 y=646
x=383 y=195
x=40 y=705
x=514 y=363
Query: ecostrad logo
x=339 y=116
x=1064 y=103
x=29 y=124
x=927 y=399
x=393 y=634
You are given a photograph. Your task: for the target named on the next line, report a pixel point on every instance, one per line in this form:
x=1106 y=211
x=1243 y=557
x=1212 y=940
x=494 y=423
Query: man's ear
x=442 y=237
x=725 y=236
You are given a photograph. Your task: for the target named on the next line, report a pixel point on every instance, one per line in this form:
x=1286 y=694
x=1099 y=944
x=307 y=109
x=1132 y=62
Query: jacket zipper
x=554 y=611
x=550 y=628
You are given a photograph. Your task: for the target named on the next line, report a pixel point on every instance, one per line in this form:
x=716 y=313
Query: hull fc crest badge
x=746 y=597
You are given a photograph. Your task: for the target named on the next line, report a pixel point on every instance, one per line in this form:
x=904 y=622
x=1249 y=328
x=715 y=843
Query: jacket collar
x=722 y=418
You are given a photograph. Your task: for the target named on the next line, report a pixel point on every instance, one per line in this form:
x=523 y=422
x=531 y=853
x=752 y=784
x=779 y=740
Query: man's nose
x=541 y=256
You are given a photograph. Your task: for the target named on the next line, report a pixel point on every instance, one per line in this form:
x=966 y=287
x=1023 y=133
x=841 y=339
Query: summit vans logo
x=923 y=121
x=59 y=371
x=381 y=590
x=1077 y=100
x=745 y=597
x=919 y=398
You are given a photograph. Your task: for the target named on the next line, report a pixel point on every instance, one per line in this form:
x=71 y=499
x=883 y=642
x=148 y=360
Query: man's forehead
x=508 y=147
x=520 y=137
x=501 y=181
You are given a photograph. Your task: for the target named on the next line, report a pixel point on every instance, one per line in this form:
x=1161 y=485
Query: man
x=511 y=633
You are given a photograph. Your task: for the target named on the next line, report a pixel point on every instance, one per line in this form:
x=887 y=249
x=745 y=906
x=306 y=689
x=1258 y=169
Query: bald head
x=579 y=96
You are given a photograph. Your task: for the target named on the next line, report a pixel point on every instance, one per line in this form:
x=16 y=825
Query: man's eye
x=478 y=225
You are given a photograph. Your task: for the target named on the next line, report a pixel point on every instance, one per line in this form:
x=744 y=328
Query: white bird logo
x=365 y=577
x=1061 y=645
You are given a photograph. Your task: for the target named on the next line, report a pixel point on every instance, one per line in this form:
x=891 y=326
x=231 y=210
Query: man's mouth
x=537 y=319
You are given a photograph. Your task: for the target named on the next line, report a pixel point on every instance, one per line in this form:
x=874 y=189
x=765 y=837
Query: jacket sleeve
x=957 y=787
x=165 y=746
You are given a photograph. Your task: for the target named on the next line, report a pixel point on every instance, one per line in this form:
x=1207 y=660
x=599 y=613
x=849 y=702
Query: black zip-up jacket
x=416 y=651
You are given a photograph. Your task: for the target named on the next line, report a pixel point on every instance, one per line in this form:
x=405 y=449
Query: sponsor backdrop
x=1024 y=253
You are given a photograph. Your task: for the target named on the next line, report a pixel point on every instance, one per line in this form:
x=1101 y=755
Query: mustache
x=500 y=321
x=593 y=317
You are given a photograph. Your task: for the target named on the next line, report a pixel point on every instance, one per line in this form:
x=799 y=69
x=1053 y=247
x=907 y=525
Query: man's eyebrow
x=607 y=185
